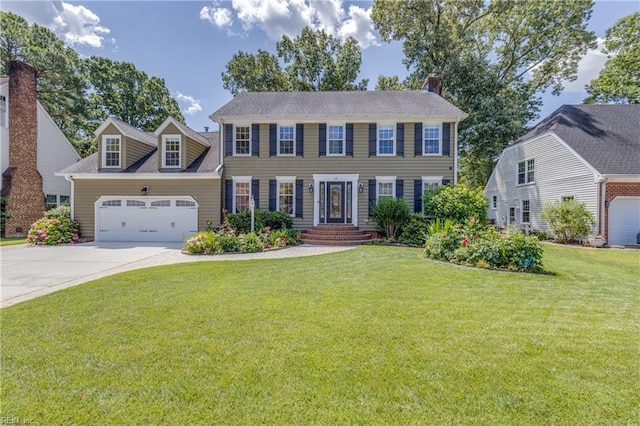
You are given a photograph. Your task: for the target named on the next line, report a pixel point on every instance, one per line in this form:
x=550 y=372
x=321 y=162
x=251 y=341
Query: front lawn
x=371 y=335
x=12 y=241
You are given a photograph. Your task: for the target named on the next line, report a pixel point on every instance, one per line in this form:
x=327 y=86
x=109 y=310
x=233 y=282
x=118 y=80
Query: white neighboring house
x=55 y=152
x=590 y=153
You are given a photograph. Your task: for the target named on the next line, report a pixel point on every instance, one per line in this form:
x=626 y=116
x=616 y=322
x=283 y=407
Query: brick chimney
x=432 y=84
x=26 y=202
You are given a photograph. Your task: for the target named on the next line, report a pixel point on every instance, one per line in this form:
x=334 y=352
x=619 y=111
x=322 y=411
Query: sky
x=188 y=43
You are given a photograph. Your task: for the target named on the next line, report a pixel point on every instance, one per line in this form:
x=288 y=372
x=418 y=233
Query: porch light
x=360 y=187
x=144 y=190
x=310 y=187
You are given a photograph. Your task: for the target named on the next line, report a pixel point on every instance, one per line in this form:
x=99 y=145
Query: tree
x=619 y=80
x=313 y=61
x=391 y=82
x=455 y=202
x=495 y=58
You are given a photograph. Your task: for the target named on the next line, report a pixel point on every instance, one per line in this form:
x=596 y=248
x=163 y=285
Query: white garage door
x=624 y=220
x=145 y=218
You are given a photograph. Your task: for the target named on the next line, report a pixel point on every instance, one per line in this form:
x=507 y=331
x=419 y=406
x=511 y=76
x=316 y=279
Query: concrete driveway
x=29 y=272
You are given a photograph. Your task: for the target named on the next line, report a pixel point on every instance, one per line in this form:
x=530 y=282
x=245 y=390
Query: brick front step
x=334 y=242
x=340 y=235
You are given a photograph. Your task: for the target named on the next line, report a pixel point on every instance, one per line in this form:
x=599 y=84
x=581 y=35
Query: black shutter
x=373 y=139
x=255 y=192
x=228 y=195
x=349 y=150
x=299 y=193
x=372 y=194
x=273 y=140
x=272 y=194
x=400 y=139
x=228 y=140
x=399 y=188
x=417 y=138
x=417 y=196
x=299 y=140
x=322 y=140
x=446 y=181
x=446 y=138
x=255 y=140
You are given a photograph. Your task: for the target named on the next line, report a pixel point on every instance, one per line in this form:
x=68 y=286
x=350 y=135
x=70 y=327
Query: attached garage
x=624 y=220
x=145 y=218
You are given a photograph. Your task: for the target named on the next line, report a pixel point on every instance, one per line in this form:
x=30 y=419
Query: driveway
x=28 y=272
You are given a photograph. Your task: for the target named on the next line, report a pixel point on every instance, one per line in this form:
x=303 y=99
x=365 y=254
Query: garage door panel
x=624 y=220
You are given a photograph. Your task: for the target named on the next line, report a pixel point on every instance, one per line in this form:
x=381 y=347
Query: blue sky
x=188 y=43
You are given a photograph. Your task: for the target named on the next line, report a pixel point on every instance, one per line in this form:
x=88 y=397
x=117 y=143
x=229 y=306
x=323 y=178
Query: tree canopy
x=312 y=61
x=619 y=80
x=495 y=59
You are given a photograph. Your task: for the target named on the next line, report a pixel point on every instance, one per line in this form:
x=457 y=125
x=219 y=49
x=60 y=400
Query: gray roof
x=205 y=163
x=348 y=104
x=606 y=136
x=132 y=132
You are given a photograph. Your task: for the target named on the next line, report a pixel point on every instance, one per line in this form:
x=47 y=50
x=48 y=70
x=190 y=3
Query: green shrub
x=455 y=202
x=63 y=210
x=204 y=242
x=414 y=232
x=569 y=220
x=54 y=230
x=241 y=222
x=229 y=243
x=283 y=237
x=276 y=220
x=443 y=237
x=390 y=214
x=250 y=243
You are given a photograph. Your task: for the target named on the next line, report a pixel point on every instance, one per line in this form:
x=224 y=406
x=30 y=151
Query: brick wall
x=615 y=189
x=25 y=199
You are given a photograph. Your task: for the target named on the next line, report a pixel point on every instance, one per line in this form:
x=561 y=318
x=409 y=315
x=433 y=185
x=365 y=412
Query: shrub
x=3 y=214
x=59 y=211
x=54 y=230
x=414 y=232
x=283 y=237
x=229 y=243
x=204 y=242
x=276 y=220
x=569 y=220
x=390 y=215
x=443 y=238
x=241 y=222
x=250 y=243
x=456 y=202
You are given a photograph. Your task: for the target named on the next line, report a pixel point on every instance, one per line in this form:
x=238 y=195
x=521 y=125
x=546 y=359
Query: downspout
x=455 y=152
x=603 y=208
x=72 y=198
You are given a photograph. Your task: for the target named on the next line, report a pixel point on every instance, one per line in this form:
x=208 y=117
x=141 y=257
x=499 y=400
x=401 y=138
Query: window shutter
x=373 y=139
x=322 y=139
x=273 y=140
x=299 y=140
x=255 y=140
x=400 y=140
x=272 y=194
x=417 y=196
x=349 y=131
x=228 y=195
x=446 y=138
x=417 y=138
x=399 y=188
x=372 y=194
x=255 y=192
x=299 y=194
x=446 y=181
x=228 y=140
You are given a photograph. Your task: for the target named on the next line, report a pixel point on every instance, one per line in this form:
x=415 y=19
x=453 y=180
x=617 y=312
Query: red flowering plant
x=54 y=230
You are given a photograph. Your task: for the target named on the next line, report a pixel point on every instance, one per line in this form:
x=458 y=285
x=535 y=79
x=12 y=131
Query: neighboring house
x=142 y=186
x=325 y=157
x=590 y=153
x=32 y=149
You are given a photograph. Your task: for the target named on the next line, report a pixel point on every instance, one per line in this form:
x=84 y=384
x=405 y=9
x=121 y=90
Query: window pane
x=243 y=193
x=243 y=140
x=431 y=139
x=385 y=140
x=285 y=197
x=530 y=170
x=385 y=189
x=521 y=173
x=525 y=211
x=112 y=152
x=64 y=200
x=286 y=140
x=336 y=140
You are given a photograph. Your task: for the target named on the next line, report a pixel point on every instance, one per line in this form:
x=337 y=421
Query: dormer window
x=171 y=150
x=111 y=151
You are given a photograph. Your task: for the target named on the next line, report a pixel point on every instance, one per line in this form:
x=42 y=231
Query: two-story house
x=325 y=157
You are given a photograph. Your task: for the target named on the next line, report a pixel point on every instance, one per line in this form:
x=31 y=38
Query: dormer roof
x=128 y=131
x=185 y=130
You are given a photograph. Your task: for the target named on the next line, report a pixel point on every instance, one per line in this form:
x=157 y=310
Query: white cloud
x=79 y=25
x=589 y=68
x=288 y=17
x=193 y=103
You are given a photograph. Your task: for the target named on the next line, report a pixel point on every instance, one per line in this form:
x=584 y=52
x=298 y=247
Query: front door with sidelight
x=335 y=202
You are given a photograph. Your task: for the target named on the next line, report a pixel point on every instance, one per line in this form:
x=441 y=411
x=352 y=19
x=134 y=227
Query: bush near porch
x=56 y=227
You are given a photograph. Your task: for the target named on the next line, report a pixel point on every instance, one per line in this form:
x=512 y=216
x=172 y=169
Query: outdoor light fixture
x=144 y=190
x=310 y=187
x=360 y=187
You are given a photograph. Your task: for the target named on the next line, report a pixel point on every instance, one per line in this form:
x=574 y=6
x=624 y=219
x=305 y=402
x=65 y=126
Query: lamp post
x=252 y=205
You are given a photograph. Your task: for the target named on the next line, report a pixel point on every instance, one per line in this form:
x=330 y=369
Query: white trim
x=494 y=202
x=562 y=196
x=326 y=118
x=234 y=130
x=185 y=130
x=139 y=176
x=393 y=139
x=278 y=153
x=526 y=171
x=286 y=179
x=104 y=151
x=344 y=139
x=386 y=179
x=144 y=137
x=431 y=124
x=165 y=137
x=327 y=177
x=236 y=180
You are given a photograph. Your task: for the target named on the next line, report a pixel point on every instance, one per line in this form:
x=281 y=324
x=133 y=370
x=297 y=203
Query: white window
x=494 y=202
x=386 y=140
x=242 y=140
x=335 y=139
x=111 y=151
x=241 y=193
x=526 y=171
x=54 y=200
x=286 y=194
x=3 y=111
x=286 y=140
x=526 y=211
x=567 y=198
x=171 y=150
x=431 y=182
x=432 y=143
x=385 y=186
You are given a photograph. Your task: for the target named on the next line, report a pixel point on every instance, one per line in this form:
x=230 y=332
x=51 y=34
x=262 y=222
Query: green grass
x=12 y=241
x=375 y=335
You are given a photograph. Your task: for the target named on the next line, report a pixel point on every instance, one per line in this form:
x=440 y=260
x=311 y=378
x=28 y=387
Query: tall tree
x=389 y=82
x=495 y=59
x=312 y=61
x=619 y=80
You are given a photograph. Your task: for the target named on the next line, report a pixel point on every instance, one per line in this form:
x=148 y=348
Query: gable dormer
x=178 y=145
x=121 y=145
